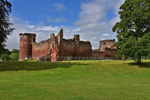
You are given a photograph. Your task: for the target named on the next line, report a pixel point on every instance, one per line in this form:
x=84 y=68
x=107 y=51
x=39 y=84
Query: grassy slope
x=74 y=81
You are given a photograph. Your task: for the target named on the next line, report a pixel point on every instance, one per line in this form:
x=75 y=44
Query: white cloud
x=47 y=28
x=59 y=7
x=106 y=34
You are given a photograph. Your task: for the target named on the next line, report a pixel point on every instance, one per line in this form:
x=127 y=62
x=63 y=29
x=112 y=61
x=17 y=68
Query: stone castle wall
x=107 y=53
x=40 y=49
x=106 y=49
x=55 y=47
x=77 y=48
x=98 y=53
x=110 y=52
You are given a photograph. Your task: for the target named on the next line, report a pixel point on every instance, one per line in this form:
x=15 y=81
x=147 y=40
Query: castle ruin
x=56 y=47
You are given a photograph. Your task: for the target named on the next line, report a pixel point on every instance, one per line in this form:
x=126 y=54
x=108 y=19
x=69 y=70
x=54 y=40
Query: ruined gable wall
x=40 y=49
x=54 y=49
x=59 y=40
x=56 y=46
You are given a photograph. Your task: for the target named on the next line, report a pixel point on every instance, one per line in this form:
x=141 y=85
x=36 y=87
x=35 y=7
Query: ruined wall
x=54 y=49
x=40 y=49
x=51 y=47
x=76 y=48
x=106 y=44
x=107 y=49
x=57 y=47
x=98 y=54
x=84 y=49
x=60 y=42
x=69 y=47
x=110 y=52
x=26 y=41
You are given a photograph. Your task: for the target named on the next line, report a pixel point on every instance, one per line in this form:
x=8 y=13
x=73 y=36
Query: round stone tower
x=26 y=41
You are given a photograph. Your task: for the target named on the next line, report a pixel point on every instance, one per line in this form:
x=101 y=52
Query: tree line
x=7 y=55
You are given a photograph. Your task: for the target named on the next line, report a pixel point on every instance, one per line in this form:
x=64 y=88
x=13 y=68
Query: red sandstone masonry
x=98 y=54
x=40 y=49
x=110 y=52
x=57 y=47
x=26 y=41
x=106 y=44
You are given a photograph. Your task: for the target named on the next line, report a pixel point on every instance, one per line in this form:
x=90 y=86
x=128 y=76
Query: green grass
x=84 y=80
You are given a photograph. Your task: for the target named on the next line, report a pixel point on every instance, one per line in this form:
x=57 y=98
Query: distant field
x=75 y=80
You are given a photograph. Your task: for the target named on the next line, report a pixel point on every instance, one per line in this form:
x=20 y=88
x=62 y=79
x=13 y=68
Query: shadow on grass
x=142 y=65
x=33 y=66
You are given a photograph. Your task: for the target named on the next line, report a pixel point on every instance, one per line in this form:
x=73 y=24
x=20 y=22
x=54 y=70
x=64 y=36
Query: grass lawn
x=84 y=80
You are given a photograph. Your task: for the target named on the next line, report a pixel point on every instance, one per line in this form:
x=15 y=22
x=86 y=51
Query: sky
x=91 y=19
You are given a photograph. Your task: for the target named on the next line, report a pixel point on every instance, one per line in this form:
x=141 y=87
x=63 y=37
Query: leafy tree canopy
x=133 y=30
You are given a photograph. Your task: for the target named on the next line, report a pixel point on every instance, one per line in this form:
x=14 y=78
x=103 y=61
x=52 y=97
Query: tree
x=5 y=25
x=5 y=55
x=133 y=30
x=14 y=55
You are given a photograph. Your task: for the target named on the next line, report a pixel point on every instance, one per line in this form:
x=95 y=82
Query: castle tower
x=26 y=41
x=106 y=44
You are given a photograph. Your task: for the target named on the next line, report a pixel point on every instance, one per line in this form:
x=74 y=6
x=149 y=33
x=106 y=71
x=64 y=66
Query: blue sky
x=92 y=19
x=37 y=11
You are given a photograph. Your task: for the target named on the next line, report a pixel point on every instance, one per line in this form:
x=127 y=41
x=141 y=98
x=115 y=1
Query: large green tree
x=5 y=25
x=133 y=30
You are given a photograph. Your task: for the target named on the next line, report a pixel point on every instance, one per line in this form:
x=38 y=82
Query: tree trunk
x=123 y=57
x=139 y=60
x=138 y=56
x=138 y=35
